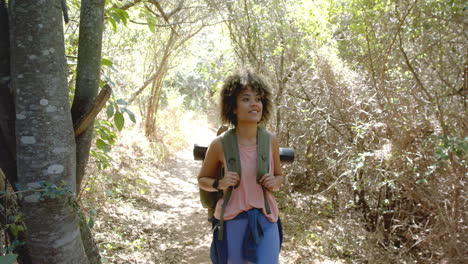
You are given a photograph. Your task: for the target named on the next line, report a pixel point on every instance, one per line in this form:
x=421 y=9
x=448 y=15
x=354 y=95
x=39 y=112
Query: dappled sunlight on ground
x=152 y=212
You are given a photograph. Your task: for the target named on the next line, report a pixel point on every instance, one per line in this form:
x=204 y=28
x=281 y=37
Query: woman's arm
x=213 y=160
x=277 y=171
x=210 y=166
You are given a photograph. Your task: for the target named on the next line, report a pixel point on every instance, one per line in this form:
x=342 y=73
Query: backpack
x=231 y=155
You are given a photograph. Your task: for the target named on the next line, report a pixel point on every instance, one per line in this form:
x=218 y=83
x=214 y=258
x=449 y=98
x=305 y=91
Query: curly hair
x=234 y=84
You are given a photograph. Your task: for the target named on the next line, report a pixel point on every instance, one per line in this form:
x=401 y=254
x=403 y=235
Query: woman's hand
x=271 y=182
x=230 y=179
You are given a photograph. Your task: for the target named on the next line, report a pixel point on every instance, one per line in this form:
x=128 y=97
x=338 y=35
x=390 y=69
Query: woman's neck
x=246 y=134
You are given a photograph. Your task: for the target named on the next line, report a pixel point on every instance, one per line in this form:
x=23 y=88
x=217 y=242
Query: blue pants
x=269 y=245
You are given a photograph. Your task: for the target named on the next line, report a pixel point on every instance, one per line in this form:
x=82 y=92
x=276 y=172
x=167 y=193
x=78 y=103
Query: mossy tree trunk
x=45 y=142
x=38 y=148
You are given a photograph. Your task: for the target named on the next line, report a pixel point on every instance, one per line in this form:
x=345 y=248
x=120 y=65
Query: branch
x=413 y=72
x=128 y=5
x=145 y=84
x=177 y=9
x=164 y=15
x=176 y=23
x=83 y=123
x=65 y=11
x=151 y=11
x=324 y=115
x=439 y=112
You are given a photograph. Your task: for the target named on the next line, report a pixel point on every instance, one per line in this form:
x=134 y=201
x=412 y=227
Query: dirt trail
x=181 y=212
x=151 y=213
x=187 y=219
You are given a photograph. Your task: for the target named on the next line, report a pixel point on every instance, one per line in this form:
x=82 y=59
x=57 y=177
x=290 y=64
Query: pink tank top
x=249 y=194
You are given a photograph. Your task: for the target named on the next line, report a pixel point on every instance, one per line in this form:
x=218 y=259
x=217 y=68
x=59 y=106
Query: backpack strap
x=263 y=161
x=232 y=157
x=231 y=151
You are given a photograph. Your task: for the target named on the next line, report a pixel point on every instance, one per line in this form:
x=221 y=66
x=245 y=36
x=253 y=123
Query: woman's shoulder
x=272 y=134
x=216 y=144
x=273 y=139
x=215 y=150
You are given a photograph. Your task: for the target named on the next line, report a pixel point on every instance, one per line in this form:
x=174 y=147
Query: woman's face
x=249 y=107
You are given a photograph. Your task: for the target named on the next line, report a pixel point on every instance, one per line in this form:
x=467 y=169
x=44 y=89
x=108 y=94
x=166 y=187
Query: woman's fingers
x=231 y=178
x=268 y=180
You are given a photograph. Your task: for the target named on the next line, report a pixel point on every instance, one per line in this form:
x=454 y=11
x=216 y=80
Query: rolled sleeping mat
x=286 y=154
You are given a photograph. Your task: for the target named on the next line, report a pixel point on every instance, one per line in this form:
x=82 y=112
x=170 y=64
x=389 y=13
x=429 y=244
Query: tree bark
x=87 y=76
x=87 y=86
x=45 y=146
x=8 y=170
x=7 y=108
x=91 y=249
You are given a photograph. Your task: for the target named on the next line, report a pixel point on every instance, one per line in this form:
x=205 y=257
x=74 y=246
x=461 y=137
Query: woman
x=245 y=103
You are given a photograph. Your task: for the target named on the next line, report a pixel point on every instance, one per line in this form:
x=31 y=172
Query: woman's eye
x=245 y=99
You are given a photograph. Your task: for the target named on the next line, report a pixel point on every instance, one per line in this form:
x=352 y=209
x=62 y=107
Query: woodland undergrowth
x=119 y=199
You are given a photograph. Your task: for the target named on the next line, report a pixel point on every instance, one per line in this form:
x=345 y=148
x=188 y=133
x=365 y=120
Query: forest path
x=180 y=210
x=187 y=220
x=151 y=213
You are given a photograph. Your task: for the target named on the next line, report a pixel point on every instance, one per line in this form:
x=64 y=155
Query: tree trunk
x=153 y=103
x=8 y=174
x=7 y=108
x=87 y=76
x=87 y=86
x=91 y=249
x=44 y=132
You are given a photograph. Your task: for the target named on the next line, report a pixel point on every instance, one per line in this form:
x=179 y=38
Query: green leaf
x=113 y=23
x=100 y=144
x=8 y=259
x=110 y=111
x=119 y=120
x=421 y=181
x=115 y=17
x=121 y=14
x=122 y=102
x=130 y=114
x=108 y=136
x=151 y=24
x=13 y=230
x=91 y=222
x=151 y=27
x=106 y=123
x=106 y=62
